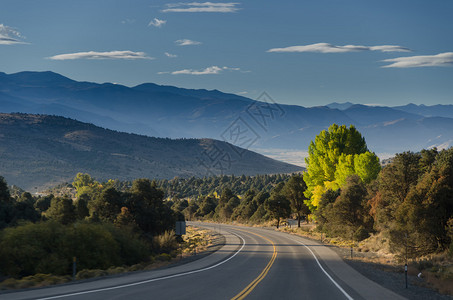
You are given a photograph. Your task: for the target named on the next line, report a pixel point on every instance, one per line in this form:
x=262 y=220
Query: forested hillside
x=42 y=150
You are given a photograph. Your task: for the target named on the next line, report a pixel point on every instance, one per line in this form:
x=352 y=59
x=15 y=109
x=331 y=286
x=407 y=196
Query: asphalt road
x=255 y=263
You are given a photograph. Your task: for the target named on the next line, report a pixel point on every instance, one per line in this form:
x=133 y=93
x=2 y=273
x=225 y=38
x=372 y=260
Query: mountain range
x=260 y=124
x=42 y=151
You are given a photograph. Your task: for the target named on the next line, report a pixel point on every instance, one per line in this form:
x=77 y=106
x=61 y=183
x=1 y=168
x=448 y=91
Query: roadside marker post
x=405 y=265
x=74 y=267
x=180 y=230
x=405 y=273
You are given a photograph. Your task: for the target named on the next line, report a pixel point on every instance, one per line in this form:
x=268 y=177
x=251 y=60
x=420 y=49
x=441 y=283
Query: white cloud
x=390 y=48
x=10 y=36
x=128 y=21
x=157 y=23
x=170 y=55
x=194 y=7
x=329 y=48
x=213 y=70
x=101 y=55
x=438 y=60
x=186 y=42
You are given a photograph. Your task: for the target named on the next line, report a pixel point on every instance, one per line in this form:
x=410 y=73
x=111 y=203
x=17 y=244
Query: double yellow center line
x=245 y=292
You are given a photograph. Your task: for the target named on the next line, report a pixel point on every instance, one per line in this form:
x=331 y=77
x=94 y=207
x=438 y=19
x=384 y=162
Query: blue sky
x=300 y=52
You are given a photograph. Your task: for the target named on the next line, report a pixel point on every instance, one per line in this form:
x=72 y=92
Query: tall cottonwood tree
x=334 y=155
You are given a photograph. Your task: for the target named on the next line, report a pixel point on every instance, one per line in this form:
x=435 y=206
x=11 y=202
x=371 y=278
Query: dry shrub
x=443 y=285
x=116 y=270
x=36 y=280
x=166 y=242
x=136 y=267
x=85 y=274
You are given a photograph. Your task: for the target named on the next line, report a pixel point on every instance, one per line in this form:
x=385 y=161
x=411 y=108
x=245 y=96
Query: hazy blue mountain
x=166 y=111
x=43 y=150
x=410 y=134
x=367 y=115
x=340 y=106
x=438 y=110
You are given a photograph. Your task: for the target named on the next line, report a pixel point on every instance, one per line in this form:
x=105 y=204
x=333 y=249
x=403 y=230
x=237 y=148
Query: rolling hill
x=42 y=150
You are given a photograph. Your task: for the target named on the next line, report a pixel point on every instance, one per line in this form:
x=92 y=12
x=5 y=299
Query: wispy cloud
x=128 y=21
x=329 y=48
x=186 y=42
x=438 y=60
x=157 y=23
x=194 y=7
x=213 y=70
x=10 y=36
x=170 y=55
x=102 y=55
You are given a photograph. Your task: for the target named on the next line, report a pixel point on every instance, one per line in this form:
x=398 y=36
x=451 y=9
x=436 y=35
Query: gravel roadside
x=389 y=277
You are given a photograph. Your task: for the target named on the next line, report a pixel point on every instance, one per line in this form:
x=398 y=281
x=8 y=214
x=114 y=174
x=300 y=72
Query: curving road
x=255 y=263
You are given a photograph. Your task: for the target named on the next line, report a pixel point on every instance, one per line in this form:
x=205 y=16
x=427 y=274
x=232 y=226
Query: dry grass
x=196 y=240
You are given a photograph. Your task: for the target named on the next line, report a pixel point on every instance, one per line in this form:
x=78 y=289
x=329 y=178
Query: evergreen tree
x=61 y=210
x=294 y=191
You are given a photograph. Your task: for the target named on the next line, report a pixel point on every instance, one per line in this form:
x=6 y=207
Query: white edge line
x=151 y=280
x=325 y=272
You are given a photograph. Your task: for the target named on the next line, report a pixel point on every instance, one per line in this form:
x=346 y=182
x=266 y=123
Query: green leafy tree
x=367 y=166
x=324 y=154
x=344 y=169
x=84 y=183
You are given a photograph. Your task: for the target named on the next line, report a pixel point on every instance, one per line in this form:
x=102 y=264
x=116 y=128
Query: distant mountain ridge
x=438 y=110
x=165 y=111
x=43 y=150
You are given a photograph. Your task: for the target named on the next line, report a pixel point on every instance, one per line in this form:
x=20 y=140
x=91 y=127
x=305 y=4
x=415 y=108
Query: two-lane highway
x=254 y=264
